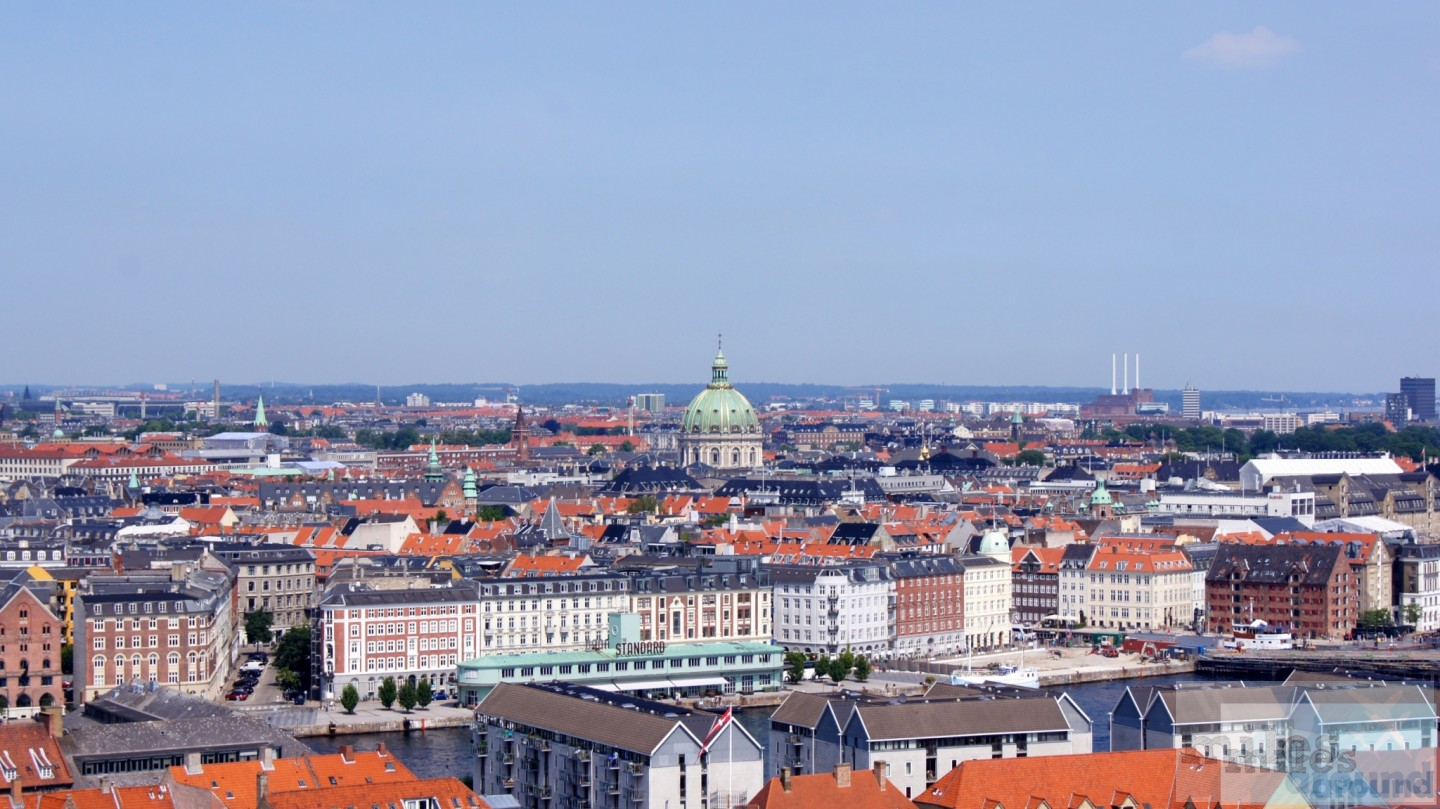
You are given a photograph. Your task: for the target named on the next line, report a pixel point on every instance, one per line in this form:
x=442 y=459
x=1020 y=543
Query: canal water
x=440 y=753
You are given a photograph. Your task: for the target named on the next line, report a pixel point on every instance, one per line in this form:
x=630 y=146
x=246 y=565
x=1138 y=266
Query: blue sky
x=1247 y=194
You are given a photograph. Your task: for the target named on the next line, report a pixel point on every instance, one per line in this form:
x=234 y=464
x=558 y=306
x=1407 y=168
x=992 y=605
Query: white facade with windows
x=825 y=610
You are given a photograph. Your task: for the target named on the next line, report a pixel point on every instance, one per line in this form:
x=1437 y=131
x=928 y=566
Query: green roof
x=608 y=655
x=720 y=408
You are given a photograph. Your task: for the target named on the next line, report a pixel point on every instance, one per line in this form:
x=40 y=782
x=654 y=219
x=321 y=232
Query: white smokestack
x=1137 y=372
x=1112 y=374
x=1126 y=389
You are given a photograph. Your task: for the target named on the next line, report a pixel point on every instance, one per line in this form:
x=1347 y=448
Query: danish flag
x=720 y=722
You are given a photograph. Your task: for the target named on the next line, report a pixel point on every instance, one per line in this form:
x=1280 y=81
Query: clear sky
x=984 y=193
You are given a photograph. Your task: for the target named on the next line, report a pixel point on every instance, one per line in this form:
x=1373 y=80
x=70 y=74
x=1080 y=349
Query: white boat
x=1005 y=675
x=1258 y=636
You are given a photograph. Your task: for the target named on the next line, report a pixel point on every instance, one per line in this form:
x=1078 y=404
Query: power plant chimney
x=1137 y=370
x=1126 y=389
x=1112 y=373
x=217 y=400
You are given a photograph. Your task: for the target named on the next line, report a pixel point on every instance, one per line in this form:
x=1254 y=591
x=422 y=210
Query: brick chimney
x=17 y=788
x=785 y=782
x=842 y=775
x=54 y=720
x=880 y=770
x=262 y=786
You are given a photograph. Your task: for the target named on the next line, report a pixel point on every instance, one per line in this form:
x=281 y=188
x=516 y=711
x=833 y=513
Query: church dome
x=720 y=409
x=1101 y=497
x=994 y=543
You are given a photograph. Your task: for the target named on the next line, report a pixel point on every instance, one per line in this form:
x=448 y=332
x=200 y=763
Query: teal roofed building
x=720 y=428
x=261 y=422
x=645 y=668
x=1102 y=504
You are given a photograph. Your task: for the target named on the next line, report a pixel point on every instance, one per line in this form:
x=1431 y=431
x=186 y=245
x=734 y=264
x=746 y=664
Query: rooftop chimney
x=54 y=720
x=262 y=786
x=880 y=769
x=17 y=787
x=105 y=784
x=842 y=775
x=785 y=782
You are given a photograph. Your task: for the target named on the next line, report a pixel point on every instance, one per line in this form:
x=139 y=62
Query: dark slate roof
x=1273 y=564
x=801 y=491
x=641 y=479
x=595 y=720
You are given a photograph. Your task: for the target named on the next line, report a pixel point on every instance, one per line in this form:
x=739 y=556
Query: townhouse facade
x=398 y=629
x=989 y=595
x=1416 y=574
x=929 y=605
x=827 y=609
x=1309 y=588
x=30 y=640
x=1139 y=589
x=140 y=629
x=278 y=579
x=703 y=606
x=549 y=613
x=1036 y=577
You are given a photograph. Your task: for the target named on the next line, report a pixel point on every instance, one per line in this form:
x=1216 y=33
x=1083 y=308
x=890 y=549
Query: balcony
x=794 y=740
x=583 y=755
x=833 y=598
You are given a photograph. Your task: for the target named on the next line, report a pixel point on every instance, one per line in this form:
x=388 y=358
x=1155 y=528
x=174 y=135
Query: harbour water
x=440 y=753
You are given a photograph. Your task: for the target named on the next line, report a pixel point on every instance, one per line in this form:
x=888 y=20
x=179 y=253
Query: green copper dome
x=1101 y=497
x=994 y=543
x=720 y=409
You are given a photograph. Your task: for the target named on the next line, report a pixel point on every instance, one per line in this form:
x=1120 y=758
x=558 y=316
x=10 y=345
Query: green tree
x=387 y=692
x=862 y=668
x=491 y=513
x=258 y=626
x=67 y=658
x=293 y=654
x=287 y=679
x=442 y=517
x=627 y=446
x=424 y=694
x=597 y=450
x=644 y=504
x=1031 y=457
x=1413 y=613
x=1377 y=618
x=408 y=696
x=794 y=666
x=842 y=665
x=822 y=666
x=349 y=698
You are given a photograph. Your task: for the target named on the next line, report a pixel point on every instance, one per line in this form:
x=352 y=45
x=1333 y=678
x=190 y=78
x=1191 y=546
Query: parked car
x=440 y=696
x=238 y=695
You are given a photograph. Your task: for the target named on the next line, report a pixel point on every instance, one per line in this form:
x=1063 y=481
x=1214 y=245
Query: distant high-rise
x=1190 y=402
x=650 y=402
x=1419 y=391
x=1397 y=410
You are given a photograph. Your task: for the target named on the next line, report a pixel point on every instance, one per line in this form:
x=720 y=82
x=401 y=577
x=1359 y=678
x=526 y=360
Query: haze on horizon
x=1245 y=194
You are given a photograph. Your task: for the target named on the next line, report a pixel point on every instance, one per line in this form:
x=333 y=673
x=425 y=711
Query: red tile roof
x=825 y=791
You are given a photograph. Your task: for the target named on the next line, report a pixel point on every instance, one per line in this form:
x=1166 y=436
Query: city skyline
x=964 y=195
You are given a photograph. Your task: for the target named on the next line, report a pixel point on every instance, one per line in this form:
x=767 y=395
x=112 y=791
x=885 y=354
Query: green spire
x=261 y=422
x=470 y=491
x=433 y=471
x=134 y=480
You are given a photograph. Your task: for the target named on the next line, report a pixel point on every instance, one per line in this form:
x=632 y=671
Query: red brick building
x=1309 y=588
x=30 y=640
x=929 y=605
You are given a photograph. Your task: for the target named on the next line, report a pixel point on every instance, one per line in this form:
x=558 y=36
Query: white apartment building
x=989 y=598
x=703 y=607
x=1074 y=579
x=825 y=610
x=369 y=634
x=1239 y=505
x=1140 y=589
x=552 y=613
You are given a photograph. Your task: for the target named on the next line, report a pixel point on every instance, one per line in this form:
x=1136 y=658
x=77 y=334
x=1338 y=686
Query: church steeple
x=261 y=423
x=434 y=473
